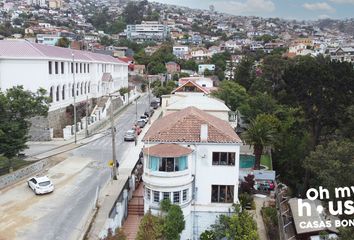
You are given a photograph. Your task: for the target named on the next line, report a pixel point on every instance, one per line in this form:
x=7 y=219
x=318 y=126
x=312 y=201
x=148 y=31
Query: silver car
x=130 y=135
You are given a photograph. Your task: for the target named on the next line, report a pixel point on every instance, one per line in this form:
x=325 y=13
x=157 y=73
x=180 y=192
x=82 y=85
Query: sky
x=287 y=9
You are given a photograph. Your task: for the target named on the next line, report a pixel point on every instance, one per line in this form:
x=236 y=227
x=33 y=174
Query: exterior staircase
x=135 y=213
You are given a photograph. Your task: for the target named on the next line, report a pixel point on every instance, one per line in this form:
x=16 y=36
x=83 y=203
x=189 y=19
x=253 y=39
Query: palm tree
x=260 y=134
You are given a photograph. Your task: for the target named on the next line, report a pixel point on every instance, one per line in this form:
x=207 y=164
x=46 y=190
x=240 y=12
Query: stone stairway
x=135 y=213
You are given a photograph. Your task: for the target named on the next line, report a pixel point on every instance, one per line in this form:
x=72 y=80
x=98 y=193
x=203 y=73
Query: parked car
x=40 y=185
x=137 y=129
x=149 y=112
x=141 y=123
x=130 y=135
x=154 y=104
x=145 y=118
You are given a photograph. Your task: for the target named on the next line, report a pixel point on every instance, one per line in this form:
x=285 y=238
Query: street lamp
x=73 y=70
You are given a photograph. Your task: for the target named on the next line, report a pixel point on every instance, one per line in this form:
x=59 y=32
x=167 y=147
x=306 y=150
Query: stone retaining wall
x=22 y=173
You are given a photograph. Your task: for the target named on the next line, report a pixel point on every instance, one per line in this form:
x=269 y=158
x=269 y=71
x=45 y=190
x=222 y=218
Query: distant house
x=203 y=82
x=180 y=51
x=191 y=86
x=203 y=67
x=139 y=69
x=172 y=67
x=343 y=54
x=200 y=54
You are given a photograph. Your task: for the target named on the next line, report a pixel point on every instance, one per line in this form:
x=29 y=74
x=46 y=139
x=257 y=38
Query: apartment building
x=147 y=31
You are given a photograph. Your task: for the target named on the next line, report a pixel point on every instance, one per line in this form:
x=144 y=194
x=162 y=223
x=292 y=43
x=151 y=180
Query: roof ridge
x=212 y=118
x=31 y=44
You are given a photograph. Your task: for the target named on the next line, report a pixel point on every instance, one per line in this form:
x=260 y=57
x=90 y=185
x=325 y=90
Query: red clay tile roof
x=167 y=150
x=184 y=126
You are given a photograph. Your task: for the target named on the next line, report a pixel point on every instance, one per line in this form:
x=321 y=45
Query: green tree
x=208 y=235
x=323 y=89
x=261 y=132
x=332 y=165
x=239 y=226
x=123 y=91
x=63 y=42
x=156 y=68
x=244 y=72
x=159 y=90
x=173 y=223
x=106 y=41
x=141 y=57
x=258 y=104
x=189 y=65
x=233 y=94
x=134 y=11
x=17 y=106
x=346 y=233
x=207 y=73
x=150 y=228
x=117 y=26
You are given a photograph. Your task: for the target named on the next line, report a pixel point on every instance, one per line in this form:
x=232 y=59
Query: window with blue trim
x=168 y=164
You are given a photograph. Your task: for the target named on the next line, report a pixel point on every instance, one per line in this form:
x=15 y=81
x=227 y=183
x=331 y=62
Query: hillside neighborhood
x=144 y=120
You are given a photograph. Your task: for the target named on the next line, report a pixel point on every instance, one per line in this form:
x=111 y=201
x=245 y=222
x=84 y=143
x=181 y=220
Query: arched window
x=58 y=93
x=73 y=91
x=82 y=88
x=85 y=87
x=98 y=87
x=63 y=92
x=51 y=94
x=77 y=89
x=89 y=85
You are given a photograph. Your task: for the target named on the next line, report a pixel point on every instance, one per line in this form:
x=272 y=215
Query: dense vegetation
x=306 y=109
x=167 y=226
x=238 y=226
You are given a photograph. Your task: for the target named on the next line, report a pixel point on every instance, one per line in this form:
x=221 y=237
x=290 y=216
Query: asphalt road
x=62 y=214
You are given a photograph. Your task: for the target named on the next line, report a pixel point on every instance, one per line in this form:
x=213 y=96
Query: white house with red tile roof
x=53 y=68
x=192 y=158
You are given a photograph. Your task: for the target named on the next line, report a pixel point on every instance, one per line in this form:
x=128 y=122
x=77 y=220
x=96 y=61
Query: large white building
x=53 y=68
x=147 y=31
x=192 y=158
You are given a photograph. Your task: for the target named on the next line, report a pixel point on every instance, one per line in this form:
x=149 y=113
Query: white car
x=40 y=185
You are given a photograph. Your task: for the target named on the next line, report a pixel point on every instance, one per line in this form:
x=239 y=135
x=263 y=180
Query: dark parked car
x=149 y=112
x=154 y=105
x=141 y=123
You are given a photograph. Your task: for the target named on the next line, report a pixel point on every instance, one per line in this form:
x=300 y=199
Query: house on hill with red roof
x=192 y=158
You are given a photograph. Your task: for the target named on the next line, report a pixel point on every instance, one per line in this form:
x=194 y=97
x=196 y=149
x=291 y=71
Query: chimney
x=204 y=132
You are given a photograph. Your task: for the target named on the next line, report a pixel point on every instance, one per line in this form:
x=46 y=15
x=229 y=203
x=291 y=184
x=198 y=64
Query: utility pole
x=113 y=133
x=87 y=113
x=136 y=110
x=73 y=70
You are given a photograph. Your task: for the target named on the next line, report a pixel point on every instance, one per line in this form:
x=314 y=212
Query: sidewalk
x=258 y=217
x=40 y=150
